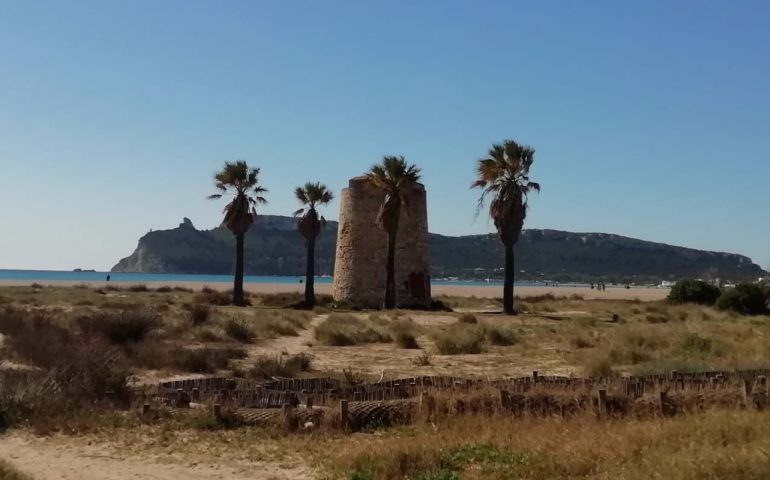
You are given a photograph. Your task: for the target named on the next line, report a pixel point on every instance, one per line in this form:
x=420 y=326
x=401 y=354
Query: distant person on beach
x=108 y=278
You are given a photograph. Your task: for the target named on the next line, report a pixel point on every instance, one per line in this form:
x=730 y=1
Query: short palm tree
x=309 y=225
x=504 y=173
x=395 y=178
x=240 y=180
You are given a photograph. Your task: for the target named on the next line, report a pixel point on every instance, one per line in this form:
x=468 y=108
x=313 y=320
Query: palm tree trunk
x=238 y=281
x=390 y=280
x=508 y=282
x=310 y=274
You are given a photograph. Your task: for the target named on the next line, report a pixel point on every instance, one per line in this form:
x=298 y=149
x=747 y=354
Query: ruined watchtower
x=359 y=271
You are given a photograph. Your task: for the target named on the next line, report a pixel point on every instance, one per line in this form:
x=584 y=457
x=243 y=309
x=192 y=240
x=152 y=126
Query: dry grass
x=286 y=366
x=344 y=330
x=717 y=444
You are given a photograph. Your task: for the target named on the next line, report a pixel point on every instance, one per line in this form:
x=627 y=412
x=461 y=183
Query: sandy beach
x=492 y=291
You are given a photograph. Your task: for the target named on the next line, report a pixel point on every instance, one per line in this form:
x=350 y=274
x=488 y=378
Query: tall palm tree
x=504 y=173
x=240 y=180
x=309 y=225
x=396 y=178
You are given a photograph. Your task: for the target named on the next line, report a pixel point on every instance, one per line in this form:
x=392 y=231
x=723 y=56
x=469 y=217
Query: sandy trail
x=51 y=458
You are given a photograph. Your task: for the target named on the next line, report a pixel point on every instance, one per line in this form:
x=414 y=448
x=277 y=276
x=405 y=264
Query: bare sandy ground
x=53 y=458
x=494 y=291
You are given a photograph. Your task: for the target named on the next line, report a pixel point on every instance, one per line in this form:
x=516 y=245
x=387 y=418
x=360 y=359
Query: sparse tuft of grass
x=459 y=338
x=468 y=318
x=344 y=330
x=238 y=330
x=287 y=366
x=403 y=333
x=501 y=336
x=424 y=359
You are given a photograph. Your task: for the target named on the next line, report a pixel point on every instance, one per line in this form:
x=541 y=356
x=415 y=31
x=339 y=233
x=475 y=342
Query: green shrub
x=745 y=298
x=238 y=330
x=694 y=291
x=460 y=338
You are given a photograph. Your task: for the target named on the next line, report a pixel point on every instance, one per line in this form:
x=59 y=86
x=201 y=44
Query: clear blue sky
x=650 y=119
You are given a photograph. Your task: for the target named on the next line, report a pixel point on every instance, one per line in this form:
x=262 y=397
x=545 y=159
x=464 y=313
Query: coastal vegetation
x=504 y=174
x=309 y=225
x=743 y=298
x=242 y=181
x=100 y=345
x=396 y=178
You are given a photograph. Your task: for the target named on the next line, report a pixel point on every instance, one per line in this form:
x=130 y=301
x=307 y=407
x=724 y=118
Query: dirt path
x=69 y=458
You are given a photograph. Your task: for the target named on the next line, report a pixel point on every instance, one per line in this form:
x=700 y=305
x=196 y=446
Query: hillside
x=273 y=247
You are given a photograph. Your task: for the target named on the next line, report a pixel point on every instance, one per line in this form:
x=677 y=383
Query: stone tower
x=359 y=271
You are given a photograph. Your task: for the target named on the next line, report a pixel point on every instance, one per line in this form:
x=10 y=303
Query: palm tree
x=309 y=225
x=396 y=178
x=504 y=173
x=240 y=180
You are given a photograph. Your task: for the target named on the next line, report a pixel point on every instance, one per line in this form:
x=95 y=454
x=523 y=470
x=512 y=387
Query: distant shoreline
x=482 y=291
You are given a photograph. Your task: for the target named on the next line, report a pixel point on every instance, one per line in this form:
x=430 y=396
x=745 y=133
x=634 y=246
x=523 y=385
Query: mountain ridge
x=273 y=247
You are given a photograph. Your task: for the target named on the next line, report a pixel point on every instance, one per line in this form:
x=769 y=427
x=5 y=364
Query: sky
x=650 y=119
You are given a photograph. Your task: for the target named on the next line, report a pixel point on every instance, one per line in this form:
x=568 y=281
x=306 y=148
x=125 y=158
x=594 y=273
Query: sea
x=138 y=278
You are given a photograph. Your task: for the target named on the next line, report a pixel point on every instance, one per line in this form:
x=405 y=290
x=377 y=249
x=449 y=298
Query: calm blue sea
x=52 y=275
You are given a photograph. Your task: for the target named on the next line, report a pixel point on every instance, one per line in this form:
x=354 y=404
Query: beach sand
x=492 y=291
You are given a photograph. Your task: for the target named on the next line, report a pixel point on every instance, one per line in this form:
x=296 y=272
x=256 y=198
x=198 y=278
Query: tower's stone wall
x=359 y=271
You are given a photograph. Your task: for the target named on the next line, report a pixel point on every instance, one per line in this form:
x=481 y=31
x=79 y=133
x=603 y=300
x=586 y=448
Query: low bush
x=744 y=298
x=213 y=297
x=137 y=288
x=288 y=366
x=343 y=330
x=468 y=318
x=120 y=327
x=206 y=360
x=198 y=313
x=581 y=341
x=460 y=338
x=207 y=335
x=403 y=333
x=7 y=472
x=501 y=336
x=238 y=330
x=694 y=291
